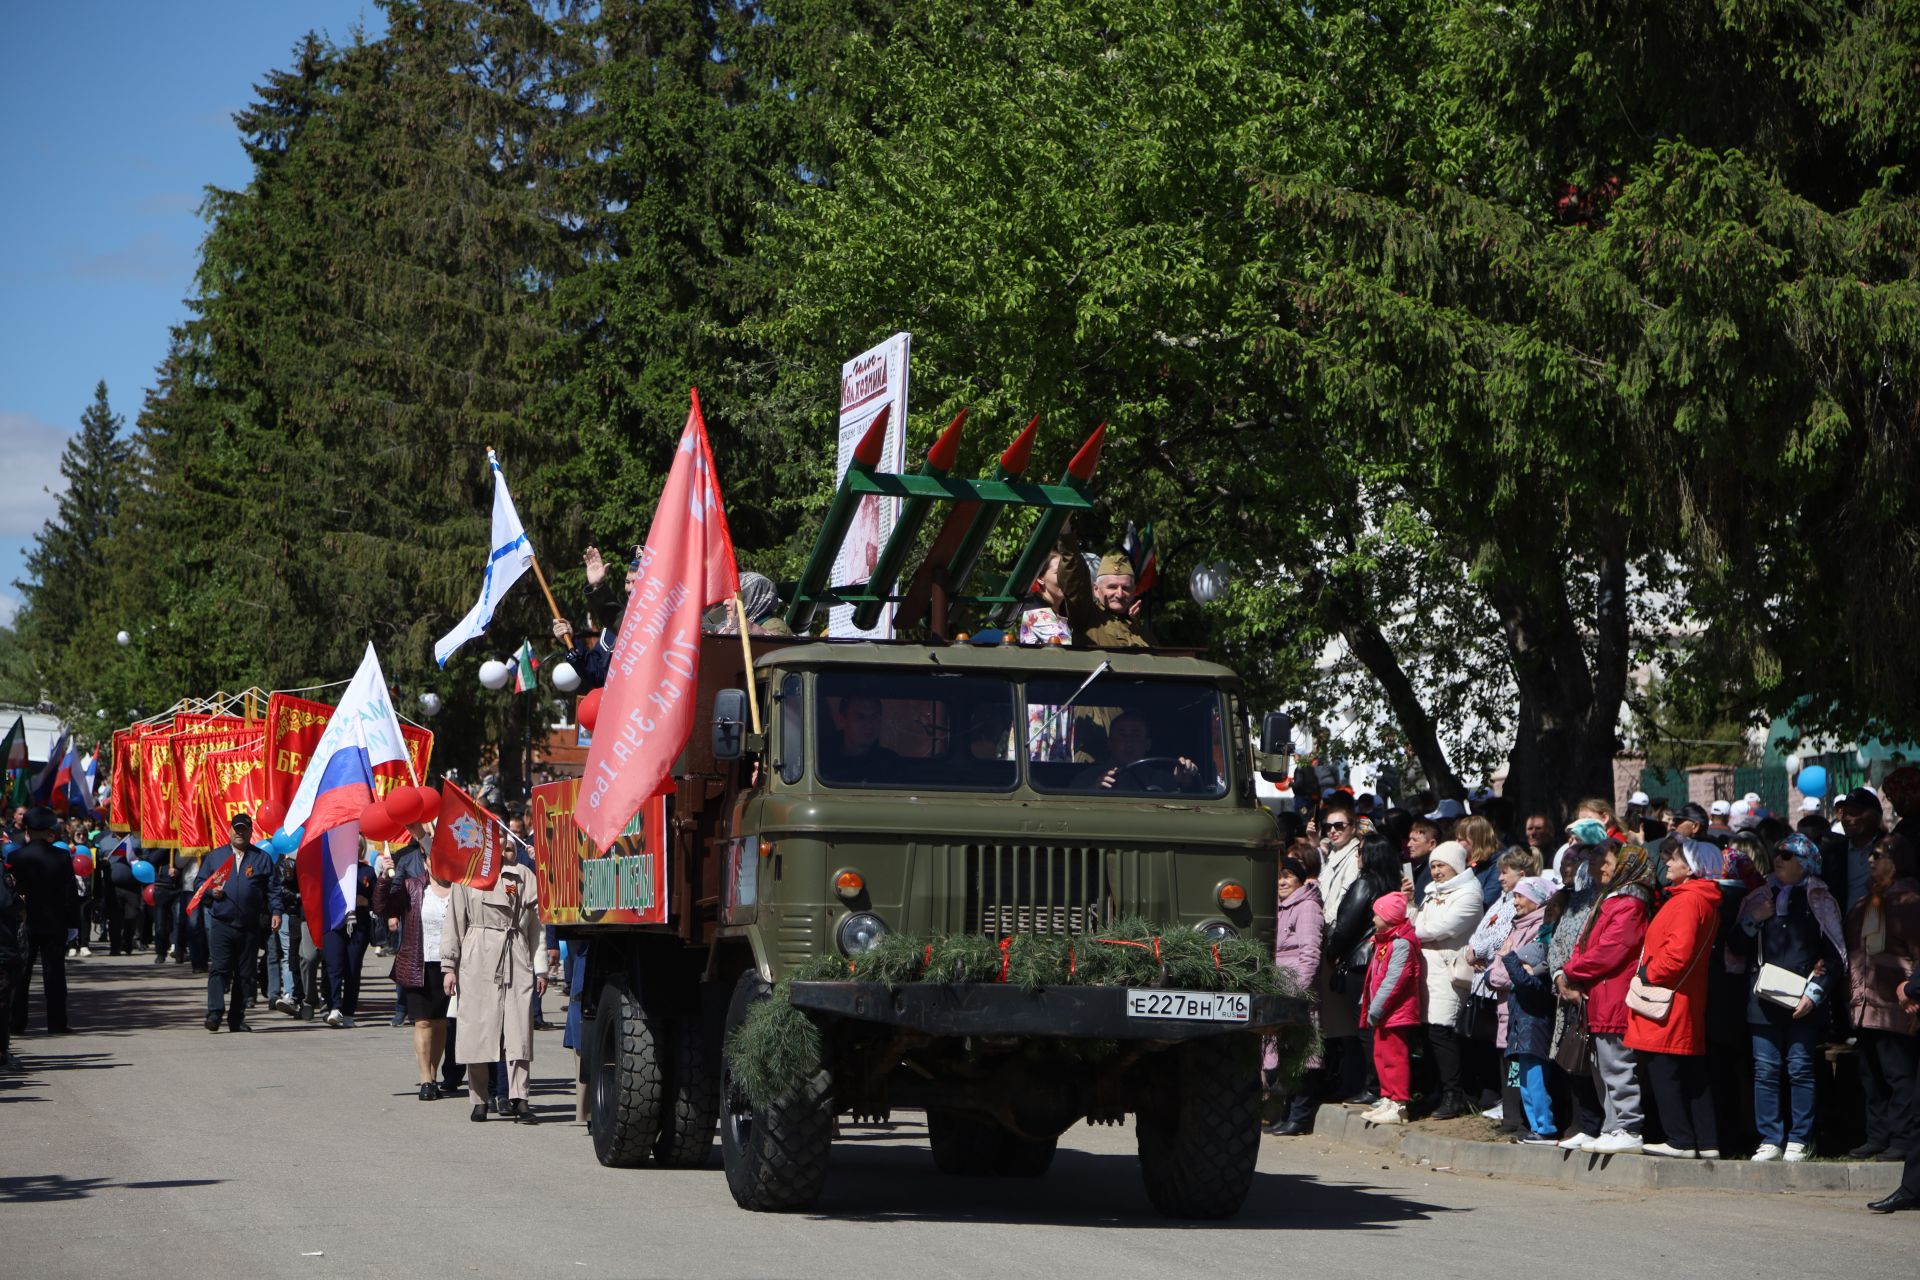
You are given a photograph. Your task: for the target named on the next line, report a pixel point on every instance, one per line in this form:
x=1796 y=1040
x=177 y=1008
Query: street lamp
x=494 y=674
x=430 y=704
x=124 y=639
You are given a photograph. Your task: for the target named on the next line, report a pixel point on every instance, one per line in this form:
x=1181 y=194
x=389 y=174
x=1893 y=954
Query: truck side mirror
x=1276 y=745
x=729 y=723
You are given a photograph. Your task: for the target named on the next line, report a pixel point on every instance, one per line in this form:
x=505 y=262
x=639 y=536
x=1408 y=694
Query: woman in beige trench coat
x=487 y=952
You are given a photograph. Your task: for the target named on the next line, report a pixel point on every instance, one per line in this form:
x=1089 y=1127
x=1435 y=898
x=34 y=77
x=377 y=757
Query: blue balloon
x=143 y=871
x=1812 y=781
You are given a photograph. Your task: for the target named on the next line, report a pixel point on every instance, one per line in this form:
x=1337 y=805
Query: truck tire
x=962 y=1145
x=776 y=1158
x=1199 y=1134
x=692 y=1100
x=624 y=1081
x=968 y=1147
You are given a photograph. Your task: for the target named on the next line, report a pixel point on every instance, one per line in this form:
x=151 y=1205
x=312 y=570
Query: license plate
x=1190 y=1006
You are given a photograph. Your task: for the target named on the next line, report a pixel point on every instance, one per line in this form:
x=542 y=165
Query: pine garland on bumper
x=777 y=1046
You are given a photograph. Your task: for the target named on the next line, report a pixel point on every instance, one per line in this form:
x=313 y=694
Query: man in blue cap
x=242 y=904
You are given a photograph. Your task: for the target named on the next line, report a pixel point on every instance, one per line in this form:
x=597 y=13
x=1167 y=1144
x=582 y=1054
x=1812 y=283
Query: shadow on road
x=37 y=1188
x=887 y=1184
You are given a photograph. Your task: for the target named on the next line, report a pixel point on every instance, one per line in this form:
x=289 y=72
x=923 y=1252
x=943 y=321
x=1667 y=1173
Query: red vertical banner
x=123 y=807
x=157 y=781
x=193 y=825
x=233 y=781
x=294 y=726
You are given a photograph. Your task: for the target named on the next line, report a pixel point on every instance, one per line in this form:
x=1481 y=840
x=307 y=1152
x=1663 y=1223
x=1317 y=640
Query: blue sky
x=119 y=118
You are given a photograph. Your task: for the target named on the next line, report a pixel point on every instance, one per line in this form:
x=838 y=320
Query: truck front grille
x=1014 y=889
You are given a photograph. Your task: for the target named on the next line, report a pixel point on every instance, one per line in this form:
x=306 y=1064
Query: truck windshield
x=1126 y=737
x=920 y=731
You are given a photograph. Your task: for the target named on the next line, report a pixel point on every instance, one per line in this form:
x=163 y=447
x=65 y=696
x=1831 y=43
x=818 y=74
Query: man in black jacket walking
x=242 y=904
x=43 y=877
x=1907 y=1194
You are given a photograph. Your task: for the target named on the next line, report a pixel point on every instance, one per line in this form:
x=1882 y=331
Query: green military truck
x=1000 y=796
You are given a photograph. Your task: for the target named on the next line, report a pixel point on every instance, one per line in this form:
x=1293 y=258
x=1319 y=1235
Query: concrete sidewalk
x=1620 y=1172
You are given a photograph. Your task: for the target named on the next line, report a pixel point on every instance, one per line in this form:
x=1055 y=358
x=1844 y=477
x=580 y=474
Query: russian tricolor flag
x=338 y=784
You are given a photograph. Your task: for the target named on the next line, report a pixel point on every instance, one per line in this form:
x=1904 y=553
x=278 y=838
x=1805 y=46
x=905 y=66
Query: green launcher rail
x=937 y=591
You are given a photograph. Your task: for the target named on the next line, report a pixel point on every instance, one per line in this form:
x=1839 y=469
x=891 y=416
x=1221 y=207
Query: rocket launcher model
x=906 y=526
x=976 y=507
x=1034 y=554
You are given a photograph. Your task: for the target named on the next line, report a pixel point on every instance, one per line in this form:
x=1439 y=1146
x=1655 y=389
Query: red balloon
x=403 y=805
x=147 y=895
x=377 y=825
x=82 y=865
x=270 y=818
x=429 y=803
x=588 y=712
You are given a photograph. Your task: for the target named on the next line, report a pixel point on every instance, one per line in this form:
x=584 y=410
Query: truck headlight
x=1217 y=931
x=859 y=933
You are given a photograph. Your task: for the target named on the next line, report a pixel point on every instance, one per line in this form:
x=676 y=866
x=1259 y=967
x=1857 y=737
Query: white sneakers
x=86 y=953
x=1671 y=1153
x=336 y=1019
x=1794 y=1154
x=1494 y=1113
x=1614 y=1143
x=1386 y=1111
x=1576 y=1142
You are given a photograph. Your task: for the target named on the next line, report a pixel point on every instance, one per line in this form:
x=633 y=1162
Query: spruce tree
x=66 y=580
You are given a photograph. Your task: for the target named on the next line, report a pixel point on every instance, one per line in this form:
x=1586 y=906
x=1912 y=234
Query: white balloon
x=565 y=678
x=124 y=638
x=430 y=703
x=494 y=673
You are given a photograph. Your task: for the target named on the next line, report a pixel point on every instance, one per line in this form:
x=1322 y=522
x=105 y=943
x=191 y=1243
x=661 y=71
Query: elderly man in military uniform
x=1101 y=608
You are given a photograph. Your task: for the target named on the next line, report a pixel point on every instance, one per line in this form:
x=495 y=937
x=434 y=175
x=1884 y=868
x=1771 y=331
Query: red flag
x=210 y=882
x=646 y=713
x=469 y=847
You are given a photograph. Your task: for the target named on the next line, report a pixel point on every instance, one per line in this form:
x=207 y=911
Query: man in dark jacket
x=11 y=957
x=1907 y=1194
x=240 y=908
x=43 y=877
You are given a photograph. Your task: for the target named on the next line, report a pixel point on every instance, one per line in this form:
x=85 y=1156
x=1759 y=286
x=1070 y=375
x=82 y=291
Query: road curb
x=1578 y=1168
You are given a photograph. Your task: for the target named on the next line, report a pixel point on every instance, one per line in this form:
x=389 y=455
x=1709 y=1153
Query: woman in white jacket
x=1444 y=923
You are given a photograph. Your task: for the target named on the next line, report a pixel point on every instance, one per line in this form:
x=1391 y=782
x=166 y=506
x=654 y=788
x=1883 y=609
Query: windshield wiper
x=1066 y=706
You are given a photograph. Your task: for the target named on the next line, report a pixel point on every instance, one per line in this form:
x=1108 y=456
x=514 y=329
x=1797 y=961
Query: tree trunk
x=1371 y=647
x=1566 y=730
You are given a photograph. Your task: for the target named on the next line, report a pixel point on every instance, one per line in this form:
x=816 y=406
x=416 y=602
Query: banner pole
x=746 y=649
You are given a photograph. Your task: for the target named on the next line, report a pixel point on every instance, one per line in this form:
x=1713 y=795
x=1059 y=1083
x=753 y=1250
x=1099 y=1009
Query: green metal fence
x=1769 y=784
x=1671 y=783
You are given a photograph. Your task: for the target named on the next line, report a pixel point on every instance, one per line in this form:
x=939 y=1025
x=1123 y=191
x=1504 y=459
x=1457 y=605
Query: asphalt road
x=144 y=1146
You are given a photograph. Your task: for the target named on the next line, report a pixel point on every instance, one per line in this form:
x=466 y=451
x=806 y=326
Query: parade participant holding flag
x=646 y=712
x=363 y=734
x=241 y=892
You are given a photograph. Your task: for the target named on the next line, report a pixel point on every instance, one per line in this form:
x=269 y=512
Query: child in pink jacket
x=1394 y=1004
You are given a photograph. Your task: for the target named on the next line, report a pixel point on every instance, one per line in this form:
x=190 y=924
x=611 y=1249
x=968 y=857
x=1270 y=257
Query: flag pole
x=746 y=649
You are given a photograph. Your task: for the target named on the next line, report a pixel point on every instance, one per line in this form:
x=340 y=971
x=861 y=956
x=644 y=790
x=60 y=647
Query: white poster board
x=869 y=383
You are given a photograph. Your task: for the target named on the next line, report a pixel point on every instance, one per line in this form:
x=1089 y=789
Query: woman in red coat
x=1674 y=1048
x=1597 y=974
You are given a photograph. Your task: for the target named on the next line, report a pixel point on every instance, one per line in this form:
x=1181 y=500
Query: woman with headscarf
x=1883 y=950
x=1519 y=975
x=1395 y=987
x=1597 y=974
x=1791 y=928
x=1486 y=1006
x=1443 y=923
x=1673 y=1044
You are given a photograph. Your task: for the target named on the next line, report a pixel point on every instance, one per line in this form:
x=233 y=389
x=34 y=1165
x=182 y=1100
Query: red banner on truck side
x=625 y=885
